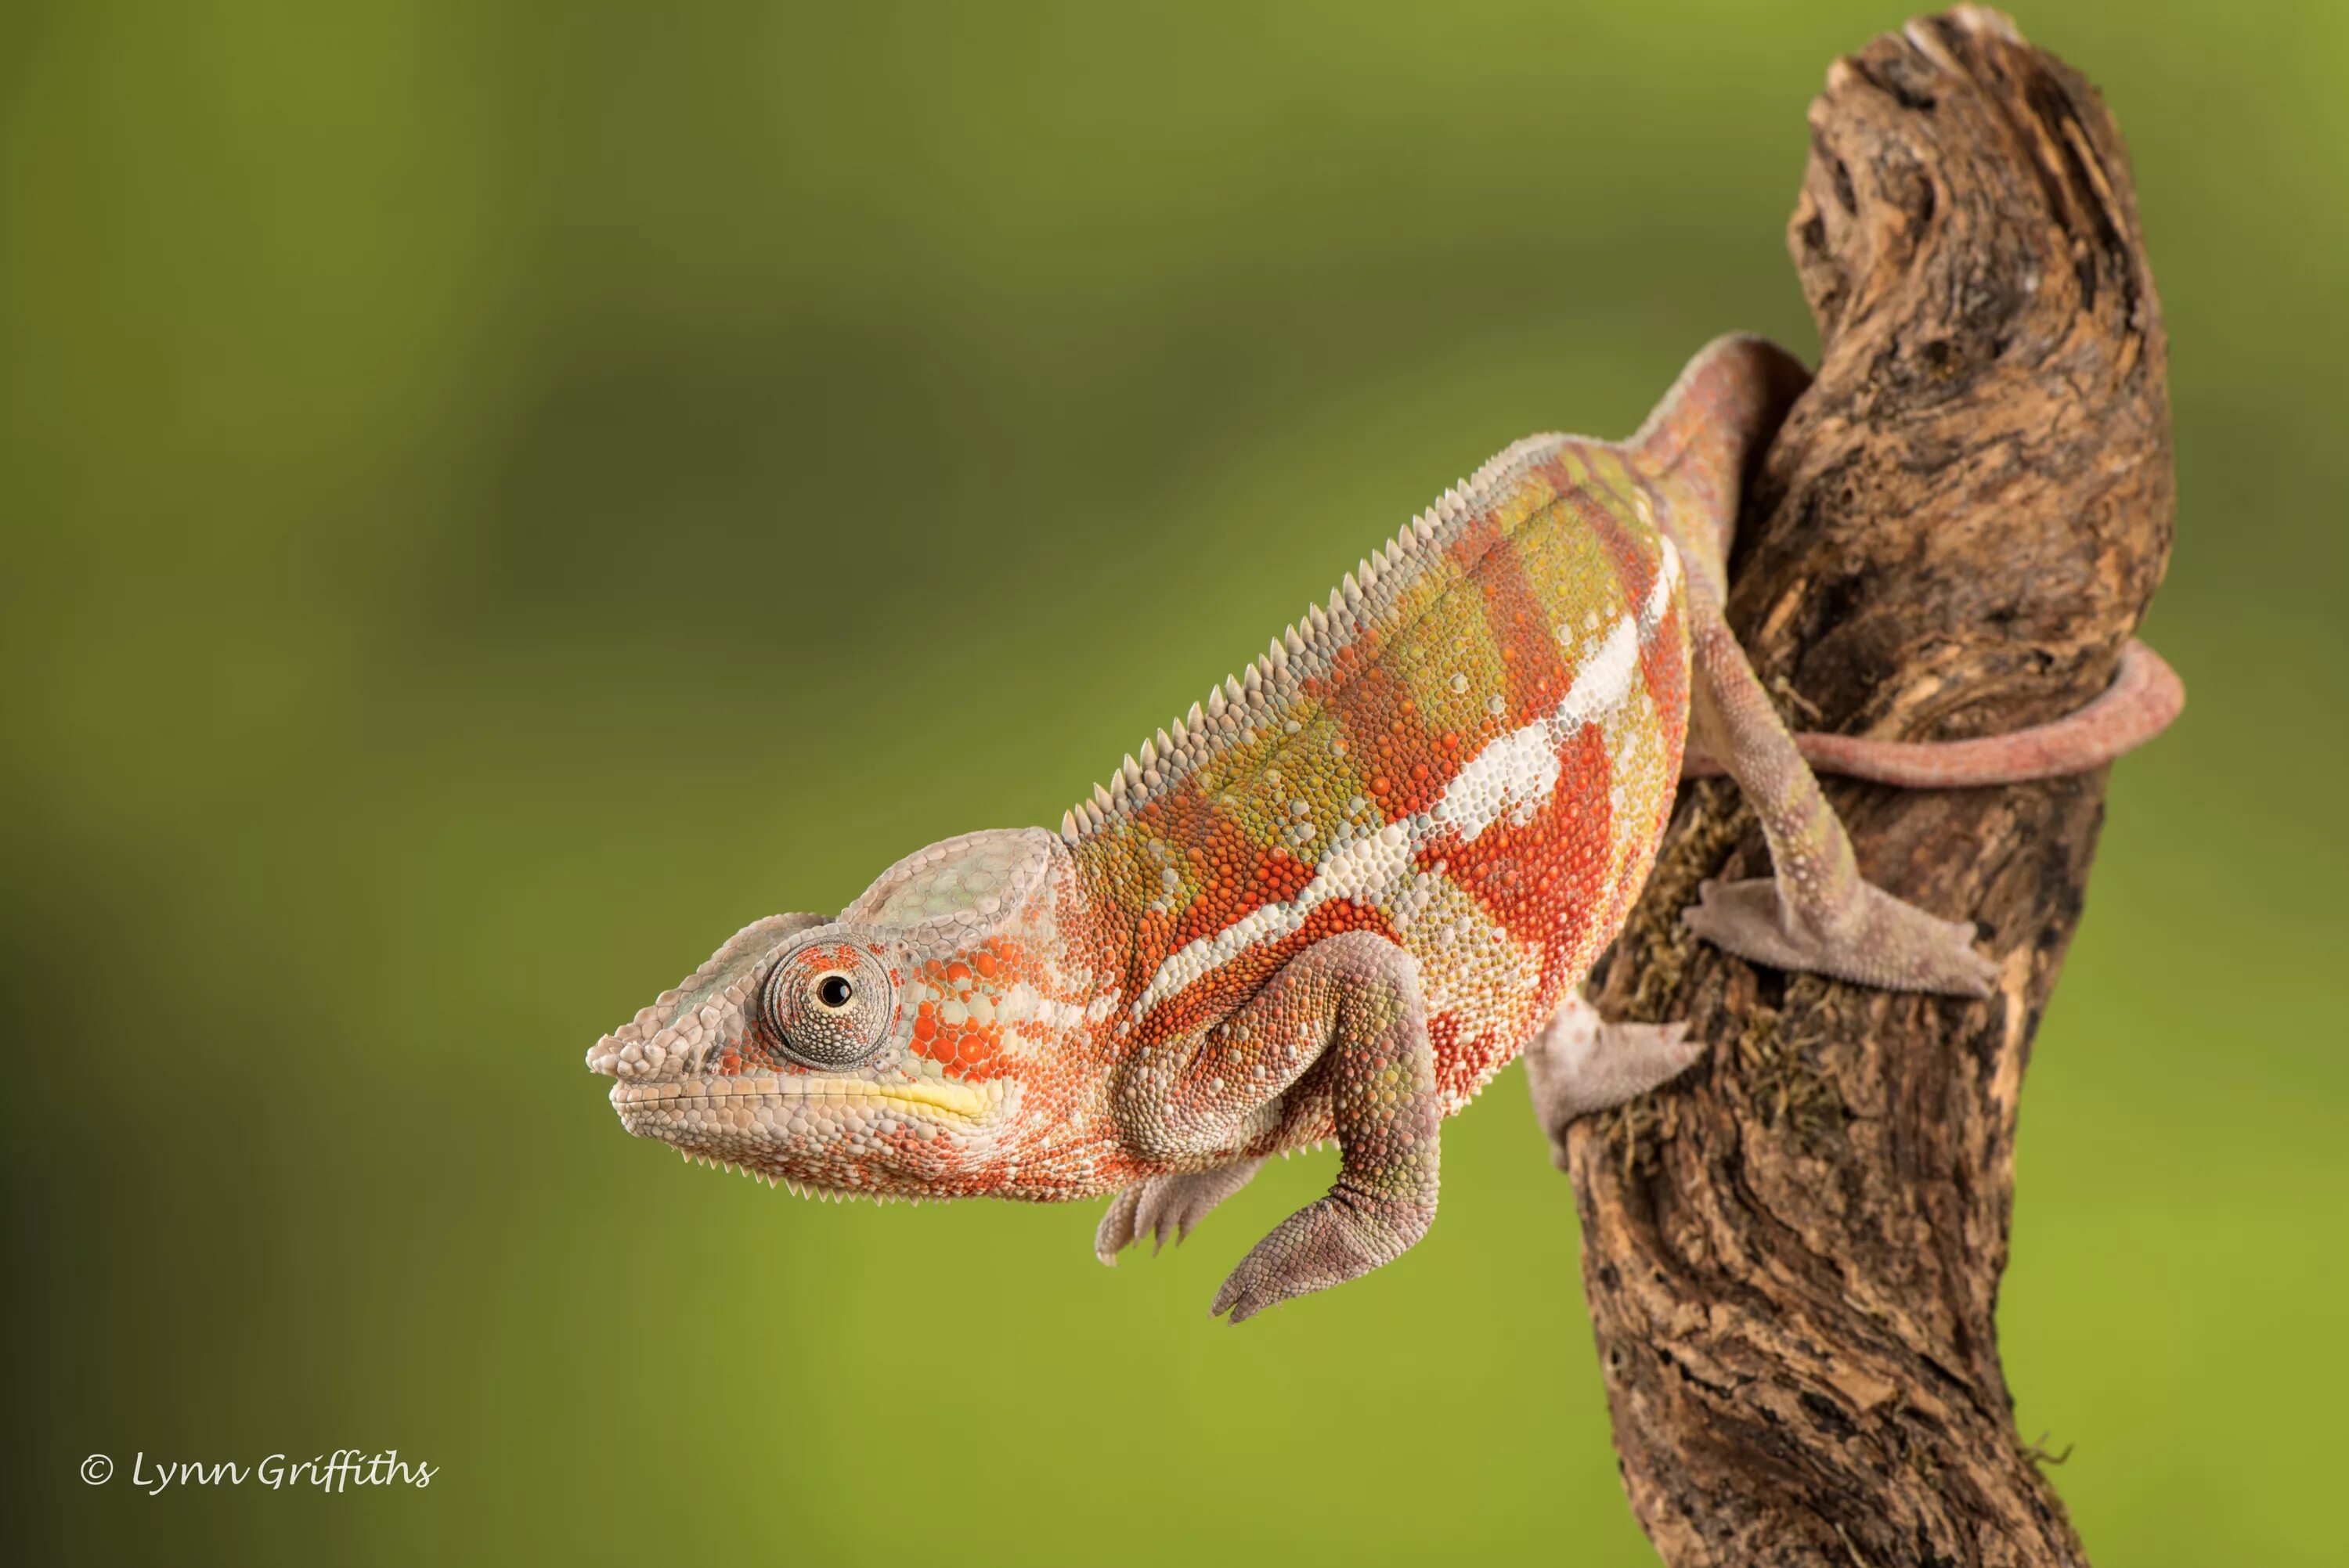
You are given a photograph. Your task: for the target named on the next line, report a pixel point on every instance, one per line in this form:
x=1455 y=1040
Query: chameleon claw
x=1116 y=1230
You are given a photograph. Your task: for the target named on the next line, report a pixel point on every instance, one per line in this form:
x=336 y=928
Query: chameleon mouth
x=805 y=1133
x=717 y=1096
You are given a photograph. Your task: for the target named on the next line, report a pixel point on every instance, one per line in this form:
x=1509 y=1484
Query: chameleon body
x=1332 y=901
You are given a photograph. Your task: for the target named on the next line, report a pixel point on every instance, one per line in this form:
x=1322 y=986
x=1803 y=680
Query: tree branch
x=1791 y=1261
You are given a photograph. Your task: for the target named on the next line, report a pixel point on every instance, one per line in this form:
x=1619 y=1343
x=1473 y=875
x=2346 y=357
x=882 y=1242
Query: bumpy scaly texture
x=1330 y=902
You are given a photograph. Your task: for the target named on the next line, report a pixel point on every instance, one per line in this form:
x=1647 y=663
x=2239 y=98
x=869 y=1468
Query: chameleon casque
x=1338 y=897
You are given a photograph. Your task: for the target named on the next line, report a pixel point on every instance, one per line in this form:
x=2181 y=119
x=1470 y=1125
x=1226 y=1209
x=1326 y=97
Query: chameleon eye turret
x=828 y=1004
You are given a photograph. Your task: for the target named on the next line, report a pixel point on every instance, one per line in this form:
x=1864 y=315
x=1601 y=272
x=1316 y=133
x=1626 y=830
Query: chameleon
x=1335 y=898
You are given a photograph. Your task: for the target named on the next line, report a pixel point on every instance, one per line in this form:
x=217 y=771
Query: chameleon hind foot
x=1339 y=1237
x=1875 y=939
x=1579 y=1063
x=1162 y=1206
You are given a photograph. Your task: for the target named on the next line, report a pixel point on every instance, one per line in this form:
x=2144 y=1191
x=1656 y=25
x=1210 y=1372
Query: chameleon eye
x=829 y=1003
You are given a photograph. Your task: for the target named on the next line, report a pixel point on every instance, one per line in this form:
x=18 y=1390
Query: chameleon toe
x=1116 y=1230
x=1167 y=1208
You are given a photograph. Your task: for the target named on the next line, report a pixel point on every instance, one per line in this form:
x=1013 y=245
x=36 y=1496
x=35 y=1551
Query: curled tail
x=2145 y=696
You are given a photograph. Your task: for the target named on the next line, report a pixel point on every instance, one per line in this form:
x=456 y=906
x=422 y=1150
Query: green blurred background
x=497 y=498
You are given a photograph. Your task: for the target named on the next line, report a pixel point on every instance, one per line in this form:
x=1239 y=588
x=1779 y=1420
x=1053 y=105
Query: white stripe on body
x=1511 y=774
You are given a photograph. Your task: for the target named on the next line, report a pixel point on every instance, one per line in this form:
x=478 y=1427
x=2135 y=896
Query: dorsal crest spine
x=1266 y=691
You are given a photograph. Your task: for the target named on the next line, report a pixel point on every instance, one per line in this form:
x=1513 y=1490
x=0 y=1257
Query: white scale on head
x=1511 y=774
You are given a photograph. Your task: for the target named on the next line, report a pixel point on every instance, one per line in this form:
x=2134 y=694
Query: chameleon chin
x=1333 y=900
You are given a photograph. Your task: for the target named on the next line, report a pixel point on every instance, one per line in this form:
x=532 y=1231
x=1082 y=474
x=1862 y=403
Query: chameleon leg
x=1158 y=1205
x=1815 y=913
x=1348 y=1008
x=1579 y=1063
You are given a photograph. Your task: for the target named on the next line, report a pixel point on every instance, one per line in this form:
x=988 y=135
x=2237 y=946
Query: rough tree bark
x=1792 y=1258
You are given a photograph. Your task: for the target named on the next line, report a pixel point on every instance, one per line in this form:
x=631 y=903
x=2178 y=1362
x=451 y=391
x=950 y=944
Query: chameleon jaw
x=804 y=1132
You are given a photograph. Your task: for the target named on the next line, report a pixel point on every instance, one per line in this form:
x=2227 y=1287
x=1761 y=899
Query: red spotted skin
x=1439 y=699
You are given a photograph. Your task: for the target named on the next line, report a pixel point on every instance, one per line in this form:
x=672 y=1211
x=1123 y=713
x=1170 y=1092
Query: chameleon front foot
x=1883 y=942
x=1341 y=1236
x=1160 y=1206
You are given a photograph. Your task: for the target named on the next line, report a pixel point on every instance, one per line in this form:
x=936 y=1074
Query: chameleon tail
x=2145 y=696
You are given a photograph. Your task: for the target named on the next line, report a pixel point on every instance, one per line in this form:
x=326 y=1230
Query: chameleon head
x=903 y=1049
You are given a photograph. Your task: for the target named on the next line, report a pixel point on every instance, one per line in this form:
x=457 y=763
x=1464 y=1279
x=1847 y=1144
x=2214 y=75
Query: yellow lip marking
x=953 y=1098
